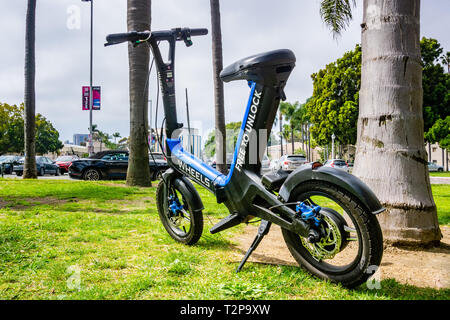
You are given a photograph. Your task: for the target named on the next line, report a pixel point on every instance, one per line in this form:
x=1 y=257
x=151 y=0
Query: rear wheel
x=176 y=212
x=351 y=246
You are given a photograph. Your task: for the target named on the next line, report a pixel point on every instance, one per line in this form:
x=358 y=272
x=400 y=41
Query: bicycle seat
x=261 y=66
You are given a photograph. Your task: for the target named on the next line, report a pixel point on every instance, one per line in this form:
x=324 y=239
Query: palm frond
x=336 y=14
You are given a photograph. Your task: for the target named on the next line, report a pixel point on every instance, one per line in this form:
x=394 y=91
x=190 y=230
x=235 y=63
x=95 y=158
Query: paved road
x=434 y=180
x=440 y=180
x=61 y=177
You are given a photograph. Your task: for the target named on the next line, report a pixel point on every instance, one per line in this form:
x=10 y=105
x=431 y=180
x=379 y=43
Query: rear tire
x=189 y=232
x=368 y=234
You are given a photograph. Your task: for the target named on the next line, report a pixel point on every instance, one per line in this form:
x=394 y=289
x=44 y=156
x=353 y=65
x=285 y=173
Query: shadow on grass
x=385 y=289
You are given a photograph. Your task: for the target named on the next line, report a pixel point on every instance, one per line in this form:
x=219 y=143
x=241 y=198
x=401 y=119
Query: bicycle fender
x=337 y=177
x=186 y=188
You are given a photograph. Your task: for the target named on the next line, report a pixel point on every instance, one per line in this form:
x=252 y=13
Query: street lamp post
x=91 y=98
x=332 y=145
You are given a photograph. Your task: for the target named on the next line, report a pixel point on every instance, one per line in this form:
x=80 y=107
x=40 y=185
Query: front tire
x=184 y=225
x=360 y=245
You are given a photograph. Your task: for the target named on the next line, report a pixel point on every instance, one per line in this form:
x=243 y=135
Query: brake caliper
x=310 y=214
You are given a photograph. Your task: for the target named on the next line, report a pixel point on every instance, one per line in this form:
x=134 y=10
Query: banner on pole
x=96 y=101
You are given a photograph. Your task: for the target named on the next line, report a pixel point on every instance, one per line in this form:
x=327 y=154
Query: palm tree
x=116 y=135
x=29 y=171
x=390 y=155
x=289 y=109
x=216 y=34
x=138 y=19
x=446 y=60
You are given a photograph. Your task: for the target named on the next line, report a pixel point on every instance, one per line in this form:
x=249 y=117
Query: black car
x=43 y=166
x=112 y=164
x=7 y=162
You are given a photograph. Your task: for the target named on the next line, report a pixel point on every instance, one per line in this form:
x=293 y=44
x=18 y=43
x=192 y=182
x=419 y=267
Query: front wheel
x=351 y=246
x=183 y=224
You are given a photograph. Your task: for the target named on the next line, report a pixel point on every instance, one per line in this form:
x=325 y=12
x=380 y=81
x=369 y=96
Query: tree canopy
x=440 y=133
x=333 y=107
x=232 y=134
x=12 y=131
x=435 y=83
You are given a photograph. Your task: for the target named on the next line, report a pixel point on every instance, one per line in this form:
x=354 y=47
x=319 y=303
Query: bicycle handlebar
x=138 y=37
x=199 y=32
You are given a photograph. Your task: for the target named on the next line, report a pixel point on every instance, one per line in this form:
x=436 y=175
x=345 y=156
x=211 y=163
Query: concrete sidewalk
x=440 y=180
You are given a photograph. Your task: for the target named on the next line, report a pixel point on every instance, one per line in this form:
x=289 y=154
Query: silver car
x=291 y=162
x=338 y=164
x=435 y=167
x=265 y=164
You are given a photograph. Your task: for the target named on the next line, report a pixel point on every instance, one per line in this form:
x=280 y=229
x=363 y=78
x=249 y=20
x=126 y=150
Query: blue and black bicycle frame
x=243 y=190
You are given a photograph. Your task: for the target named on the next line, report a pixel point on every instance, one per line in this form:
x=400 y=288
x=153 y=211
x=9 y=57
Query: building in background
x=78 y=138
x=438 y=155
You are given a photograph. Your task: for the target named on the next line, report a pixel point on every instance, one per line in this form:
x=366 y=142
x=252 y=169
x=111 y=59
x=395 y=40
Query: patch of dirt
x=420 y=267
x=30 y=202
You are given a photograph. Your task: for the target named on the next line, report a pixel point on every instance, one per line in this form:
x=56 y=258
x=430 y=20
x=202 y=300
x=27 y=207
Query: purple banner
x=96 y=93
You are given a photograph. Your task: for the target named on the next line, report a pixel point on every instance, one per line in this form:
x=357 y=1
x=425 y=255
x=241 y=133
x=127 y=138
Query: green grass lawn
x=83 y=240
x=440 y=174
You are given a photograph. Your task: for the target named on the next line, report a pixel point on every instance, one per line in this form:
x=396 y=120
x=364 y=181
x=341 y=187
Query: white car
x=273 y=165
x=291 y=162
x=265 y=164
x=338 y=164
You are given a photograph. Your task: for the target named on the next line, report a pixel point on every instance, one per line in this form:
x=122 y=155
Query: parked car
x=273 y=165
x=43 y=166
x=111 y=164
x=229 y=160
x=64 y=162
x=265 y=164
x=291 y=162
x=435 y=167
x=7 y=162
x=338 y=164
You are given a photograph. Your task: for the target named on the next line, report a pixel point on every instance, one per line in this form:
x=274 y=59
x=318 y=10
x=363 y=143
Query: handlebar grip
x=134 y=36
x=199 y=32
x=118 y=37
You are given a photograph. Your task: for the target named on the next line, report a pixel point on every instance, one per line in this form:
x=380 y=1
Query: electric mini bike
x=327 y=216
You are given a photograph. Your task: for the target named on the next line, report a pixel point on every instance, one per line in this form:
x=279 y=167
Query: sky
x=248 y=27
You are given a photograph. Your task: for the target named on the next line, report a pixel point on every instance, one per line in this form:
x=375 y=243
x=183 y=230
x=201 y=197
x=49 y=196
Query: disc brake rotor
x=329 y=245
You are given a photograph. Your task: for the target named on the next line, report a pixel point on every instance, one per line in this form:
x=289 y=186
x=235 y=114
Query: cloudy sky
x=248 y=27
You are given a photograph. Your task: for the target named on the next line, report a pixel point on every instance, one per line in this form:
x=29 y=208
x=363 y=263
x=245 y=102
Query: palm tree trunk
x=292 y=138
x=280 y=115
x=216 y=34
x=390 y=154
x=138 y=19
x=29 y=171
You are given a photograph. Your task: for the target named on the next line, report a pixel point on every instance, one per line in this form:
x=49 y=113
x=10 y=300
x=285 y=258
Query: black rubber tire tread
x=196 y=217
x=371 y=235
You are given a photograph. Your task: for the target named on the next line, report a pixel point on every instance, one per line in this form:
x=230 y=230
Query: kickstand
x=262 y=231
